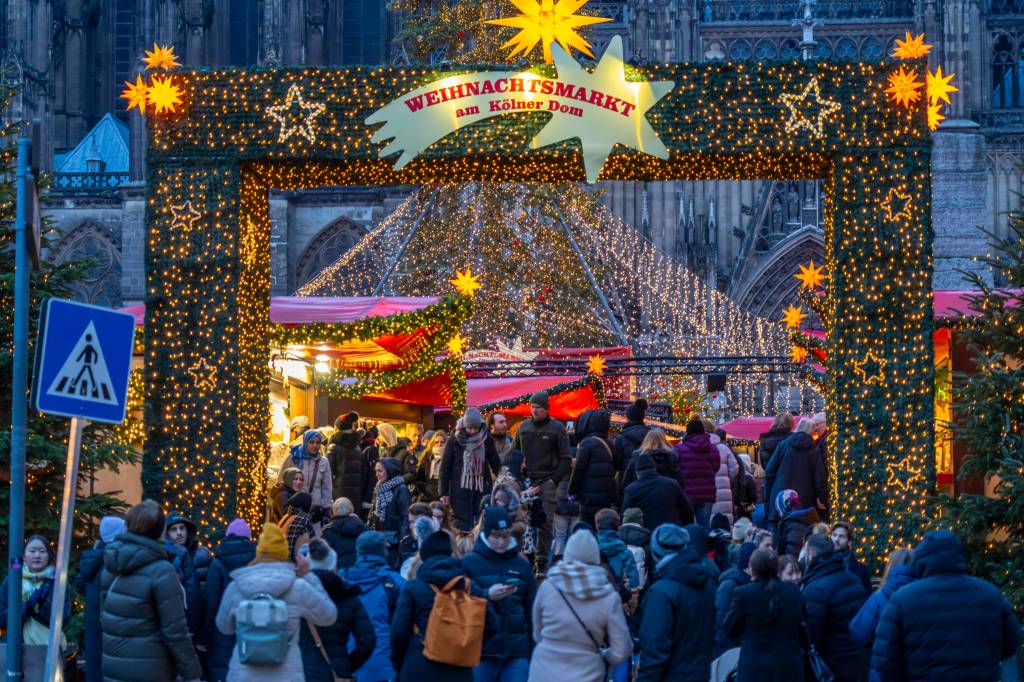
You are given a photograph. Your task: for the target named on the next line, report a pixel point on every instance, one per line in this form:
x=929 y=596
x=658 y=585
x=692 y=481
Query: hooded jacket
x=661 y=500
x=619 y=559
x=864 y=624
x=486 y=568
x=698 y=464
x=677 y=634
x=946 y=625
x=769 y=442
x=833 y=596
x=771 y=638
x=627 y=443
x=305 y=598
x=592 y=480
x=233 y=553
x=728 y=583
x=380 y=587
x=145 y=632
x=352 y=620
x=348 y=467
x=201 y=556
x=666 y=463
x=796 y=465
x=788 y=537
x=341 y=534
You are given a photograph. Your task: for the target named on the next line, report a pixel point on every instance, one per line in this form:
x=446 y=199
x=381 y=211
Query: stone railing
x=87 y=182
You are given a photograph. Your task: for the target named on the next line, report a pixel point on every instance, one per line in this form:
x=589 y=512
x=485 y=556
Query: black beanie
x=637 y=410
x=347 y=422
x=495 y=518
x=644 y=462
x=694 y=427
x=301 y=501
x=540 y=398
x=438 y=544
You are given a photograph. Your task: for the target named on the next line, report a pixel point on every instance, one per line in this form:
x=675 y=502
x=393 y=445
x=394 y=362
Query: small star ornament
x=184 y=216
x=793 y=316
x=863 y=369
x=466 y=283
x=596 y=365
x=160 y=58
x=801 y=109
x=797 y=354
x=902 y=475
x=204 y=375
x=913 y=47
x=456 y=345
x=296 y=116
x=136 y=94
x=896 y=205
x=904 y=88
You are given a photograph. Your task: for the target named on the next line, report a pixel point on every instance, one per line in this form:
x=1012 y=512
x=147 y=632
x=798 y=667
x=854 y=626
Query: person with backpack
x=263 y=606
x=416 y=641
x=87 y=584
x=495 y=560
x=145 y=631
x=615 y=552
x=235 y=551
x=325 y=650
x=638 y=540
x=592 y=481
x=380 y=589
x=578 y=622
x=468 y=468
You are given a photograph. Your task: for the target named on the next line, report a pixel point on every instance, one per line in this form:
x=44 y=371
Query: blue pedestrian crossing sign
x=83 y=359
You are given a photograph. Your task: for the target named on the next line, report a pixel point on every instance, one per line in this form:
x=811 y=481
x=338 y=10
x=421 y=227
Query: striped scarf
x=382 y=496
x=472 y=459
x=583 y=581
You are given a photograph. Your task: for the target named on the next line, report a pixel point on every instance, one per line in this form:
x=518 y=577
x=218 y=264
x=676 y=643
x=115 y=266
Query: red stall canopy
x=568 y=397
x=750 y=428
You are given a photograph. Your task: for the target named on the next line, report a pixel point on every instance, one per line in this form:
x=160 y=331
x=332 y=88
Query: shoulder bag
x=323 y=652
x=816 y=665
x=601 y=650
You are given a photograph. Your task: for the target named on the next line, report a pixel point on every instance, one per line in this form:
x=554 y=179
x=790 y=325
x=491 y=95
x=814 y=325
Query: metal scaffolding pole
x=379 y=290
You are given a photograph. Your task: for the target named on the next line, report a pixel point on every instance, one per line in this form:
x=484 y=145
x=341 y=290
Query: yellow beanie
x=272 y=543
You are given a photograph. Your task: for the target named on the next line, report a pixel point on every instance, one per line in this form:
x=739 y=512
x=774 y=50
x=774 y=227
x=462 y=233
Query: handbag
x=601 y=650
x=323 y=652
x=816 y=665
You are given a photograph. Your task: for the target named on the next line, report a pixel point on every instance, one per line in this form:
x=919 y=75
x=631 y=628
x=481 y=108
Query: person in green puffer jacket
x=145 y=633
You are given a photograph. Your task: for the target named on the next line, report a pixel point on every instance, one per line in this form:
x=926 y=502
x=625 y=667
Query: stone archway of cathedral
x=770 y=286
x=101 y=284
x=329 y=244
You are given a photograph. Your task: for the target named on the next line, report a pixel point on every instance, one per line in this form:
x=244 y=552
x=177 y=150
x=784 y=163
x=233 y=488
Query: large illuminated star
x=136 y=94
x=596 y=365
x=163 y=94
x=912 y=48
x=797 y=354
x=939 y=86
x=546 y=22
x=160 y=58
x=204 y=375
x=456 y=344
x=300 y=122
x=799 y=104
x=902 y=475
x=793 y=316
x=904 y=87
x=810 y=276
x=184 y=217
x=606 y=127
x=466 y=283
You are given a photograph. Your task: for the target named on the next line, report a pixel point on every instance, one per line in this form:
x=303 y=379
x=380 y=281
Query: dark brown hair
x=764 y=567
x=145 y=519
x=607 y=519
x=419 y=509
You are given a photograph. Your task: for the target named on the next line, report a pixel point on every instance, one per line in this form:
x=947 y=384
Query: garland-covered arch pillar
x=244 y=132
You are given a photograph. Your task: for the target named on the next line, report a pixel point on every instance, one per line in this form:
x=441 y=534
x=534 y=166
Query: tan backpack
x=455 y=630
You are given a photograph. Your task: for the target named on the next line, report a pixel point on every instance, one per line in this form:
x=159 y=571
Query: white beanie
x=111 y=527
x=582 y=547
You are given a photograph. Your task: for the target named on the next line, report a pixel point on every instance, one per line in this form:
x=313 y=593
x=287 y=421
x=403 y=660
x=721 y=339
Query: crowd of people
x=544 y=555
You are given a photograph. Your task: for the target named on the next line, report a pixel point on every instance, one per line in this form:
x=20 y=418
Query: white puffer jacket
x=728 y=470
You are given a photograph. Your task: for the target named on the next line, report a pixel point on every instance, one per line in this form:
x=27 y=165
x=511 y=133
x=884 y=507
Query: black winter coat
x=465 y=503
x=349 y=473
x=592 y=480
x=341 y=534
x=145 y=633
x=796 y=465
x=232 y=553
x=666 y=463
x=352 y=620
x=38 y=607
x=395 y=523
x=87 y=584
x=677 y=635
x=769 y=442
x=833 y=596
x=770 y=649
x=545 y=448
x=728 y=583
x=788 y=537
x=514 y=624
x=628 y=442
x=946 y=625
x=857 y=568
x=660 y=499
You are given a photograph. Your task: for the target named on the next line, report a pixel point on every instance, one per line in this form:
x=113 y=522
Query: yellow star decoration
x=596 y=365
x=308 y=111
x=896 y=205
x=466 y=283
x=797 y=354
x=136 y=94
x=935 y=116
x=871 y=359
x=793 y=316
x=163 y=94
x=904 y=86
x=810 y=276
x=939 y=86
x=545 y=22
x=456 y=344
x=606 y=127
x=184 y=216
x=204 y=375
x=161 y=58
x=896 y=475
x=911 y=48
x=797 y=104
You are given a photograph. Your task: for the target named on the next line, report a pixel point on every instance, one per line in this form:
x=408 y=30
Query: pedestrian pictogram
x=83 y=359
x=84 y=374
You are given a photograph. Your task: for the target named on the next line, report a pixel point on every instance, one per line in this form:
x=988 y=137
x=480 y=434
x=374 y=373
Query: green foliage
x=989 y=405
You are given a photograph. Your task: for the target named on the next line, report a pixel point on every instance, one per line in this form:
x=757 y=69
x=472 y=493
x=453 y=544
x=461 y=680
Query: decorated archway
x=241 y=133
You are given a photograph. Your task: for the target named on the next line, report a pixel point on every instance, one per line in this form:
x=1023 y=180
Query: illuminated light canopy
x=546 y=22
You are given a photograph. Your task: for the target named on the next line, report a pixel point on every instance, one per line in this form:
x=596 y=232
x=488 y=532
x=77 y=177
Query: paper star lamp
x=793 y=316
x=904 y=88
x=911 y=48
x=301 y=121
x=163 y=94
x=939 y=86
x=810 y=276
x=797 y=354
x=466 y=283
x=801 y=109
x=935 y=116
x=161 y=58
x=546 y=22
x=136 y=94
x=456 y=344
x=596 y=365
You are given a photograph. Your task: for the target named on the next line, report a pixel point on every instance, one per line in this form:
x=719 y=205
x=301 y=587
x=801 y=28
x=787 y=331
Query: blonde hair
x=655 y=440
x=783 y=420
x=428 y=448
x=709 y=426
x=806 y=425
x=463 y=544
x=741 y=530
x=900 y=557
x=386 y=435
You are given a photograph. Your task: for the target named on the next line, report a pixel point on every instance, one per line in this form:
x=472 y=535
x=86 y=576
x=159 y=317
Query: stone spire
x=807 y=23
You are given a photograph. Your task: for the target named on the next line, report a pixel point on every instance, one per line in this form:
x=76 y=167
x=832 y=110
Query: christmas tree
x=989 y=420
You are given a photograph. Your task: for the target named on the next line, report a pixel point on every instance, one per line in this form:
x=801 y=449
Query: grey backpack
x=261 y=630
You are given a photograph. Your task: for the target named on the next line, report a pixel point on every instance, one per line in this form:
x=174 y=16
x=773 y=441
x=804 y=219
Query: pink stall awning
x=751 y=428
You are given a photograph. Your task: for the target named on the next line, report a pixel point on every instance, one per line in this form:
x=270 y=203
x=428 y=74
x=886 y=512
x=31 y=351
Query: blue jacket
x=833 y=596
x=946 y=625
x=677 y=636
x=864 y=624
x=620 y=559
x=514 y=623
x=352 y=621
x=380 y=588
x=233 y=552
